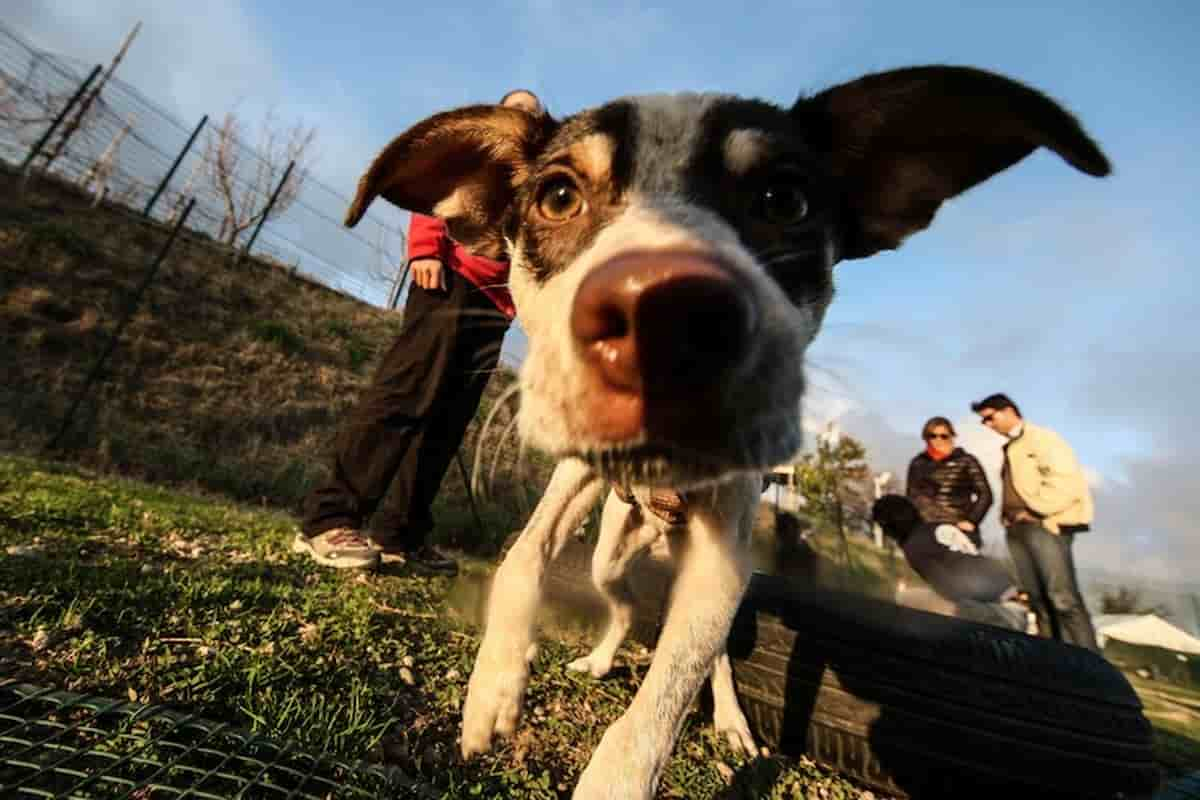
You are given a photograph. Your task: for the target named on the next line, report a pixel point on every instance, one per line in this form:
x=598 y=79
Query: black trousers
x=392 y=452
x=1046 y=570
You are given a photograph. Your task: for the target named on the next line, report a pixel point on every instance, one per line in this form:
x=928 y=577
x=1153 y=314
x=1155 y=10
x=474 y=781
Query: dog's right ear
x=462 y=166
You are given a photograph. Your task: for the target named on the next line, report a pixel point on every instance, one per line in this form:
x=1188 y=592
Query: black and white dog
x=672 y=257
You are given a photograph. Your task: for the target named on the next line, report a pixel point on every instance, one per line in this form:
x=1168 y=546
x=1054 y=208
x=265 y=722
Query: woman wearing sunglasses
x=946 y=483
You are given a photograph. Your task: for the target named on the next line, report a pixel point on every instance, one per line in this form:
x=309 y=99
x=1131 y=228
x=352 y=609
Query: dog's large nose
x=662 y=326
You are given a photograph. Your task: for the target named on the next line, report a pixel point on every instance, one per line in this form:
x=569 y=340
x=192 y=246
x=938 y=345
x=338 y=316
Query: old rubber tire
x=918 y=704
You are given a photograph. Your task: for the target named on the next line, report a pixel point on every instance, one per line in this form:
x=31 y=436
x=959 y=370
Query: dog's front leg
x=713 y=574
x=625 y=532
x=497 y=686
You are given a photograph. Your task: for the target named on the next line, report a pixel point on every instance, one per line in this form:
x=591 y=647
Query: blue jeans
x=1046 y=570
x=1001 y=615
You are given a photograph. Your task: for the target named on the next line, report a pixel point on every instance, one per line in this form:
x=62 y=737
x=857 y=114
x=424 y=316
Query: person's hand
x=428 y=273
x=966 y=525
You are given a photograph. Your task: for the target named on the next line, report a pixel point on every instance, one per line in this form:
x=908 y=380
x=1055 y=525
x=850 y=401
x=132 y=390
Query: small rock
x=204 y=651
x=406 y=676
x=41 y=640
x=407 y=661
x=453 y=675
x=147 y=569
x=236 y=605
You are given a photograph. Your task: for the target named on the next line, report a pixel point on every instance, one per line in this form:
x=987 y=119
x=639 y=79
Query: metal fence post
x=267 y=211
x=116 y=334
x=398 y=287
x=37 y=148
x=171 y=172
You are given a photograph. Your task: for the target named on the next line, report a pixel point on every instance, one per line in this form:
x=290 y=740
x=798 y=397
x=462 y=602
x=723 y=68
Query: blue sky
x=1076 y=296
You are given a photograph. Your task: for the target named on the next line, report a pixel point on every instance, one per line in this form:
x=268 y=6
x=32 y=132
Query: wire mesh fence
x=195 y=389
x=56 y=744
x=120 y=146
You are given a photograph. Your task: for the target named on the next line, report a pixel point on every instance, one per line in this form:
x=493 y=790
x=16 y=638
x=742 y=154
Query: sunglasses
x=939 y=436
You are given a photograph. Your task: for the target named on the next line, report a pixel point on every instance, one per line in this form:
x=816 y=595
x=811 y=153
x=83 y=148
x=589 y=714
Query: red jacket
x=428 y=238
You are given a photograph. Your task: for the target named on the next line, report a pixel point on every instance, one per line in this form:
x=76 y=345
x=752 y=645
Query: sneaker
x=341 y=548
x=426 y=559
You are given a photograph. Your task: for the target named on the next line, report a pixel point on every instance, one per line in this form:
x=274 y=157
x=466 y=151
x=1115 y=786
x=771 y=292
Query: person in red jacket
x=392 y=452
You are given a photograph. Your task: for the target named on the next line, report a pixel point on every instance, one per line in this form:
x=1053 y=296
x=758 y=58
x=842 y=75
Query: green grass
x=1174 y=712
x=64 y=237
x=278 y=333
x=127 y=590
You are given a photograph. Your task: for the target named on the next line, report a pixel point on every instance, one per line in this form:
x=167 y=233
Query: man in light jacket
x=1046 y=501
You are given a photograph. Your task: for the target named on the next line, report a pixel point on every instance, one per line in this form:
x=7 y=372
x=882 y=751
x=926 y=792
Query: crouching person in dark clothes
x=948 y=560
x=393 y=450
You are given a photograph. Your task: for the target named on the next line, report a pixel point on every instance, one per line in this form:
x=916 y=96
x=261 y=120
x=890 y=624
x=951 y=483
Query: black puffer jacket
x=949 y=490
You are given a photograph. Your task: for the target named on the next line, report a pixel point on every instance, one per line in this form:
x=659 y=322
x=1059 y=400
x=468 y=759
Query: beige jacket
x=1048 y=478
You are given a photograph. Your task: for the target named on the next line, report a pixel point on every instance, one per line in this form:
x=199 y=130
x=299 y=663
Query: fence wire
x=124 y=144
x=56 y=744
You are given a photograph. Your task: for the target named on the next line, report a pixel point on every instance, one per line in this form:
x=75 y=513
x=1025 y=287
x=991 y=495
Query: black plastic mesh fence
x=56 y=744
x=125 y=144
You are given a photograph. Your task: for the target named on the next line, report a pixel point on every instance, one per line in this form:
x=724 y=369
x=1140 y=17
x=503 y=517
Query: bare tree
x=97 y=174
x=201 y=168
x=81 y=111
x=1129 y=600
x=245 y=188
x=23 y=107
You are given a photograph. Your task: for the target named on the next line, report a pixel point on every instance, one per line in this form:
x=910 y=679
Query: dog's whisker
x=500 y=450
x=508 y=393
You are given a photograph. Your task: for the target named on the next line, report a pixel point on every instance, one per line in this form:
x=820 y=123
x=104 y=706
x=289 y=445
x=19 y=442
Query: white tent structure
x=1145 y=629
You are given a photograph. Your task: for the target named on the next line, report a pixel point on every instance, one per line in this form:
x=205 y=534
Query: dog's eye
x=559 y=199
x=783 y=202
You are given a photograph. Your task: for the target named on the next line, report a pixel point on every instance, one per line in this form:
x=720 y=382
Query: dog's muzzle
x=662 y=334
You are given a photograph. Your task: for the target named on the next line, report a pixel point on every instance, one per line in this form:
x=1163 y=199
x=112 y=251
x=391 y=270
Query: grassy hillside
x=231 y=377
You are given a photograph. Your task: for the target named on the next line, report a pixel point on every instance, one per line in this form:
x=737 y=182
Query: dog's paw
x=595 y=664
x=730 y=723
x=495 y=695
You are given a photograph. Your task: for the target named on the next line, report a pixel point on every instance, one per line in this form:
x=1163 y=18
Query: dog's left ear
x=462 y=166
x=902 y=142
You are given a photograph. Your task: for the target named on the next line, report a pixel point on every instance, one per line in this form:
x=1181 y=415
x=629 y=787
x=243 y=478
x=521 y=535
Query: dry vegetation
x=230 y=377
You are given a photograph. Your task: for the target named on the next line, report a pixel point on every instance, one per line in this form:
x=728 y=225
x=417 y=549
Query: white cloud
x=190 y=59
